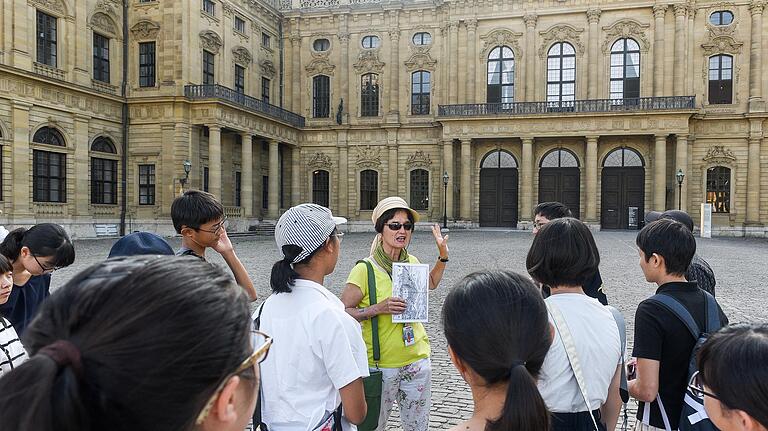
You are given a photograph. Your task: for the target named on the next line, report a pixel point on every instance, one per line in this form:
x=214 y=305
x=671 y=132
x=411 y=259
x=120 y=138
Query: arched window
x=370 y=42
x=321 y=187
x=560 y=159
x=321 y=45
x=369 y=189
x=623 y=157
x=321 y=96
x=625 y=70
x=369 y=95
x=49 y=169
x=50 y=136
x=561 y=77
x=103 y=173
x=498 y=159
x=420 y=89
x=721 y=79
x=420 y=189
x=719 y=189
x=422 y=38
x=501 y=75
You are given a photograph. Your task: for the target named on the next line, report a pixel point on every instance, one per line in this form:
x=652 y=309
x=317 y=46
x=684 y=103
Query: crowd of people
x=152 y=339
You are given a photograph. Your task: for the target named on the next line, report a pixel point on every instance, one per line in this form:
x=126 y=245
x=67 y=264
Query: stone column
x=526 y=207
x=448 y=167
x=255 y=88
x=453 y=63
x=753 y=180
x=392 y=165
x=246 y=168
x=593 y=16
x=214 y=160
x=394 y=73
x=273 y=205
x=466 y=179
x=755 y=58
x=296 y=87
x=344 y=75
x=659 y=12
x=80 y=162
x=471 y=61
x=681 y=161
x=296 y=168
x=680 y=42
x=530 y=57
x=343 y=178
x=168 y=169
x=21 y=158
x=592 y=169
x=660 y=173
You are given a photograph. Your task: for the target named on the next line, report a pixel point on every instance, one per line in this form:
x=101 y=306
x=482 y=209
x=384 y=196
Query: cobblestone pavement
x=739 y=265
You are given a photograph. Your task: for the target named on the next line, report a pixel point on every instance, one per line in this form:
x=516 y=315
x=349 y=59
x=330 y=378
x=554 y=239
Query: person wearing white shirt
x=318 y=358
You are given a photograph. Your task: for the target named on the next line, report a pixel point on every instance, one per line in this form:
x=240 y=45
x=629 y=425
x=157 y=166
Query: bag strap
x=623 y=384
x=573 y=358
x=679 y=310
x=374 y=319
x=258 y=411
x=713 y=314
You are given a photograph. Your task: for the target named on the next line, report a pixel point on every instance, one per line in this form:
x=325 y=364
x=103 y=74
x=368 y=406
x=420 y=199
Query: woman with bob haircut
x=564 y=257
x=498 y=335
x=733 y=377
x=130 y=344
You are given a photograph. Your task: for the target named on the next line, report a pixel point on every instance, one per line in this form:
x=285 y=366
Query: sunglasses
x=396 y=225
x=46 y=269
x=217 y=227
x=696 y=386
x=261 y=343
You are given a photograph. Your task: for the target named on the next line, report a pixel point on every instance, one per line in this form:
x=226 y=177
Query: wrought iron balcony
x=216 y=91
x=575 y=106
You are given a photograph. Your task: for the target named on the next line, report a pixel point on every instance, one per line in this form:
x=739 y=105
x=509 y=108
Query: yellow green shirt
x=394 y=353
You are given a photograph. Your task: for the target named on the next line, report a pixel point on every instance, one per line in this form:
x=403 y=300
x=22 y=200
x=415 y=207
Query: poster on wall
x=411 y=282
x=706 y=220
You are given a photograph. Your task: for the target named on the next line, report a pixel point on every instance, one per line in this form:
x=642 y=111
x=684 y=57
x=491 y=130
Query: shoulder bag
x=372 y=383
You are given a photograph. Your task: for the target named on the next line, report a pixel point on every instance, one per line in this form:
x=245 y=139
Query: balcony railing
x=596 y=105
x=199 y=92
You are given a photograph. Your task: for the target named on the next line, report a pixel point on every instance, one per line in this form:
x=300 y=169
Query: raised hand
x=441 y=241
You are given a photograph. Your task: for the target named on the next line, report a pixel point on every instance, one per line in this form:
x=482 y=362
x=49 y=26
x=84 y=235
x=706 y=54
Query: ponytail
x=11 y=245
x=43 y=240
x=524 y=408
x=283 y=275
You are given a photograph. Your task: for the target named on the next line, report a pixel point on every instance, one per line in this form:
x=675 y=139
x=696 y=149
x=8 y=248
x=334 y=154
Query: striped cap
x=307 y=226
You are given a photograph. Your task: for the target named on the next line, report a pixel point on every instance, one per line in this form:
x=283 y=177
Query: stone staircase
x=265 y=228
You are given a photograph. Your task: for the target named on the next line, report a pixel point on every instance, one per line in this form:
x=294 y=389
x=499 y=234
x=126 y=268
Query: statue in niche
x=339 y=111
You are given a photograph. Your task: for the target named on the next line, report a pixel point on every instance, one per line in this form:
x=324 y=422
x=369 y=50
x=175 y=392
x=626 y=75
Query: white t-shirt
x=318 y=349
x=598 y=345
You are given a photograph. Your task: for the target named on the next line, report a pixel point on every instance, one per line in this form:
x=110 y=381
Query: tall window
x=265 y=89
x=561 y=76
x=239 y=78
x=46 y=39
x=146 y=184
x=719 y=189
x=625 y=69
x=420 y=189
x=369 y=189
x=209 y=7
x=205 y=178
x=369 y=95
x=321 y=96
x=103 y=173
x=721 y=79
x=100 y=58
x=208 y=68
x=238 y=189
x=265 y=192
x=265 y=40
x=147 y=64
x=420 y=90
x=49 y=169
x=321 y=188
x=239 y=24
x=501 y=75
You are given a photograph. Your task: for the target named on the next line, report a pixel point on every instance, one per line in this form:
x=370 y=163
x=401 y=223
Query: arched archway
x=498 y=189
x=560 y=179
x=622 y=189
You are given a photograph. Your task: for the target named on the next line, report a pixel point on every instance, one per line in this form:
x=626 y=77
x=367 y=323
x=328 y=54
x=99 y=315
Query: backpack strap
x=258 y=411
x=678 y=309
x=713 y=314
x=374 y=319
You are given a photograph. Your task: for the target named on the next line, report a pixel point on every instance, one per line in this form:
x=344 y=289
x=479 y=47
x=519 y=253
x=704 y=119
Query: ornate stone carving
x=718 y=154
x=268 y=68
x=472 y=24
x=320 y=65
x=103 y=23
x=227 y=9
x=530 y=19
x=108 y=7
x=756 y=7
x=593 y=15
x=561 y=33
x=497 y=37
x=660 y=10
x=722 y=45
x=722 y=30
x=210 y=41
x=681 y=9
x=420 y=61
x=320 y=161
x=626 y=28
x=368 y=61
x=56 y=6
x=368 y=157
x=242 y=56
x=145 y=29
x=419 y=159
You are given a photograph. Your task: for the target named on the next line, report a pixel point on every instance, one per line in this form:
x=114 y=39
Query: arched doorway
x=498 y=189
x=560 y=179
x=623 y=187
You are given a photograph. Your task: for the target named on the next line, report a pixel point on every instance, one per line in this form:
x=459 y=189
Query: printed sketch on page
x=411 y=282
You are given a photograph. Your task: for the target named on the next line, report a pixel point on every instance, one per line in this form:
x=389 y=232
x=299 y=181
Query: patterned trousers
x=411 y=387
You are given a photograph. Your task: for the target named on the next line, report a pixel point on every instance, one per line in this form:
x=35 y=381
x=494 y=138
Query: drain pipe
x=124 y=93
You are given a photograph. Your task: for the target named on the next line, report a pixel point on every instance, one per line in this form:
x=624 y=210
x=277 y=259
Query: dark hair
x=195 y=208
x=5 y=265
x=732 y=364
x=496 y=322
x=563 y=253
x=389 y=215
x=150 y=355
x=671 y=240
x=552 y=210
x=43 y=240
x=283 y=275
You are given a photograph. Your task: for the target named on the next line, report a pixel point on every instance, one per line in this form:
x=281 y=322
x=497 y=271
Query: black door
x=560 y=185
x=622 y=189
x=498 y=197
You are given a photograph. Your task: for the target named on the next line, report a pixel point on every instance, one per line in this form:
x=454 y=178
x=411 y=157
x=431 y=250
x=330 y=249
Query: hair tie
x=64 y=353
x=516 y=363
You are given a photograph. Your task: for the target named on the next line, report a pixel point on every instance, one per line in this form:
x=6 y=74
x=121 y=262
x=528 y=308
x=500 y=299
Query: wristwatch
x=442 y=260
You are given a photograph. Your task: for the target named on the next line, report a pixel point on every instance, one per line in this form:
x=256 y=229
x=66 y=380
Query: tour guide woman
x=404 y=361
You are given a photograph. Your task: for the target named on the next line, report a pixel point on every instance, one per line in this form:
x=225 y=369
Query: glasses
x=696 y=386
x=339 y=236
x=261 y=343
x=396 y=225
x=217 y=227
x=46 y=269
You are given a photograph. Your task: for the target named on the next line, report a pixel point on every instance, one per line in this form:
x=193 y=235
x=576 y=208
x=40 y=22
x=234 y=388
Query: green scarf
x=383 y=258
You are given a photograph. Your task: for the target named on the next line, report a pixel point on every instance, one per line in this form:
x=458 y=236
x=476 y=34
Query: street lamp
x=187 y=167
x=445 y=200
x=680 y=176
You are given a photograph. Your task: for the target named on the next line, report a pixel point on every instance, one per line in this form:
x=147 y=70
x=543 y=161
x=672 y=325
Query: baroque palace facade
x=109 y=109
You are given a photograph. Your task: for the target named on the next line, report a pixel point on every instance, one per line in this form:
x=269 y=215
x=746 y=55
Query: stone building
x=501 y=103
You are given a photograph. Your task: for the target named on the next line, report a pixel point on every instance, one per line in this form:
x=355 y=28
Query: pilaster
x=593 y=16
x=448 y=167
x=530 y=65
x=681 y=160
x=466 y=179
x=214 y=160
x=526 y=207
x=273 y=201
x=756 y=102
x=343 y=83
x=659 y=13
x=80 y=161
x=660 y=173
x=394 y=72
x=591 y=167
x=296 y=175
x=296 y=87
x=21 y=160
x=392 y=171
x=246 y=168
x=471 y=62
x=453 y=63
x=343 y=178
x=681 y=34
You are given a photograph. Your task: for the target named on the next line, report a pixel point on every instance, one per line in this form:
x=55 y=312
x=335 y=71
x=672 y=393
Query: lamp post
x=680 y=176
x=445 y=200
x=187 y=167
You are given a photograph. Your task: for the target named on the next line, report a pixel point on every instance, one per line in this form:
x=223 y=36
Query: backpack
x=693 y=417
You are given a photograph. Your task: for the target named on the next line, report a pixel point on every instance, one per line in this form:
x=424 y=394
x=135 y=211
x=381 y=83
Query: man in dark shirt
x=663 y=345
